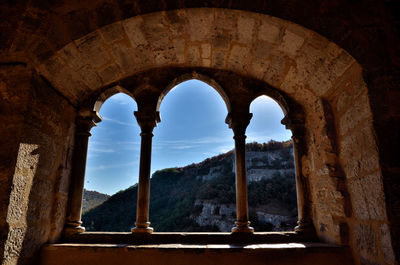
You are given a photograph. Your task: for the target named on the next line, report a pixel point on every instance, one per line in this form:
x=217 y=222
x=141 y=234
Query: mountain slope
x=92 y=199
x=201 y=197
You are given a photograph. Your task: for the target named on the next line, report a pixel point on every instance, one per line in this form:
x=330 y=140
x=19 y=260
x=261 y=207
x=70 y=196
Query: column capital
x=147 y=120
x=238 y=122
x=86 y=120
x=295 y=124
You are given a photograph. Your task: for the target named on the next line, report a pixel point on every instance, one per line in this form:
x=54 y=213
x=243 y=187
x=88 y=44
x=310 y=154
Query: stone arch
x=200 y=77
x=323 y=78
x=96 y=106
x=276 y=96
x=281 y=53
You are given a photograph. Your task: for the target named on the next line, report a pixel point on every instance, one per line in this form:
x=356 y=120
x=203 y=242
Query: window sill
x=188 y=238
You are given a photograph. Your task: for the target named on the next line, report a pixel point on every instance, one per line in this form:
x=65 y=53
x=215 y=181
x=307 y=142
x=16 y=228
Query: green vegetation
x=174 y=192
x=92 y=198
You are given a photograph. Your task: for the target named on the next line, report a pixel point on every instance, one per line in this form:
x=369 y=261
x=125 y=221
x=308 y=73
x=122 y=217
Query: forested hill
x=201 y=197
x=92 y=199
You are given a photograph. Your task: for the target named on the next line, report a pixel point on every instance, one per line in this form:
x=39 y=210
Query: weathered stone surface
x=200 y=23
x=246 y=26
x=193 y=55
x=133 y=28
x=113 y=32
x=268 y=31
x=355 y=114
x=179 y=45
x=304 y=61
x=365 y=240
x=92 y=50
x=219 y=59
x=238 y=58
x=367 y=194
x=386 y=244
x=291 y=43
x=205 y=50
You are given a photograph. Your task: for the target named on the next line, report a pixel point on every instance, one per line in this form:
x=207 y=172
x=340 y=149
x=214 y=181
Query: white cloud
x=102 y=150
x=108 y=166
x=182 y=147
x=115 y=121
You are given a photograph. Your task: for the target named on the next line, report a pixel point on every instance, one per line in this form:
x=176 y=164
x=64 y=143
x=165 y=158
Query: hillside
x=201 y=197
x=92 y=199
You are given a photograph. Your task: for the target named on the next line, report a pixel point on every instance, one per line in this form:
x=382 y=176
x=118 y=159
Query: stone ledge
x=187 y=238
x=176 y=254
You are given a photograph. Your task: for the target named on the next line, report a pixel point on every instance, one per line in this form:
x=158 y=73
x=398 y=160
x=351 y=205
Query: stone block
x=291 y=43
x=334 y=66
x=90 y=77
x=358 y=112
x=71 y=56
x=143 y=58
x=238 y=58
x=178 y=22
x=110 y=73
x=366 y=194
x=262 y=50
x=348 y=147
x=219 y=59
x=225 y=20
x=268 y=31
x=179 y=46
x=293 y=81
x=258 y=67
x=92 y=50
x=352 y=168
x=201 y=23
x=193 y=55
x=358 y=202
x=113 y=32
x=245 y=29
x=343 y=101
x=221 y=42
x=386 y=244
x=205 y=50
x=155 y=30
x=276 y=71
x=206 y=62
x=365 y=239
x=133 y=28
x=165 y=56
x=123 y=54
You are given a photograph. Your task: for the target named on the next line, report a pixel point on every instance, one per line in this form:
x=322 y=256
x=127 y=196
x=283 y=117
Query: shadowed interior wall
x=39 y=134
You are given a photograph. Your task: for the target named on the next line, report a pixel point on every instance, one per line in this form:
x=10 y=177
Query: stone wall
x=38 y=185
x=83 y=48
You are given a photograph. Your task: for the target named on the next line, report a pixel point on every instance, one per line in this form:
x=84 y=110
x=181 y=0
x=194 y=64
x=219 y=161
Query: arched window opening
x=192 y=188
x=270 y=169
x=112 y=167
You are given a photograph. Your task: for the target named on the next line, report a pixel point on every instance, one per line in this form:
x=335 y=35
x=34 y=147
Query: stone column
x=238 y=122
x=84 y=123
x=147 y=121
x=296 y=125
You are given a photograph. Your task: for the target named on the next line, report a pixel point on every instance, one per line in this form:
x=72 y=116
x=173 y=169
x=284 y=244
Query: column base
x=242 y=227
x=147 y=230
x=304 y=226
x=142 y=228
x=73 y=228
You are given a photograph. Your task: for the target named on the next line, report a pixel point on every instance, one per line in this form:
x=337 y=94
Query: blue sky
x=192 y=129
